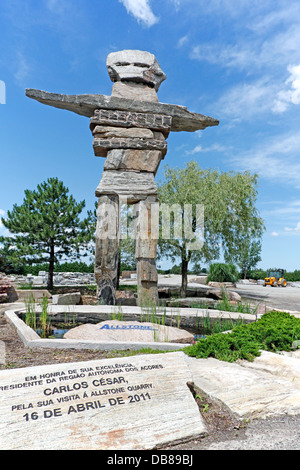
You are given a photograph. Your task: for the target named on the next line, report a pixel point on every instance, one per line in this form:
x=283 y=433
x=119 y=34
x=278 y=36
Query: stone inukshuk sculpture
x=130 y=129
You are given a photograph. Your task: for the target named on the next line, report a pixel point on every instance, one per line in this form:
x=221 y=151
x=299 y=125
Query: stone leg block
x=107 y=248
x=147 y=294
x=146 y=270
x=145 y=248
x=147 y=220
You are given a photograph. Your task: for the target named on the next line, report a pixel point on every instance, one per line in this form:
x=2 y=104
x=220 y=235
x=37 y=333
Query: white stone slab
x=247 y=391
x=126 y=403
x=285 y=366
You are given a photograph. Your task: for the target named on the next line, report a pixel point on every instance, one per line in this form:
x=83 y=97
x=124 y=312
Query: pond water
x=52 y=332
x=57 y=328
x=58 y=332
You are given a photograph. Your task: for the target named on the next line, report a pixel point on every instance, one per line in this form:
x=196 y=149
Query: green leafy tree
x=248 y=256
x=46 y=227
x=230 y=215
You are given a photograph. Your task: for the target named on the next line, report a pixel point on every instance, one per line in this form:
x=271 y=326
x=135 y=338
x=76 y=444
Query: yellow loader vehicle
x=275 y=278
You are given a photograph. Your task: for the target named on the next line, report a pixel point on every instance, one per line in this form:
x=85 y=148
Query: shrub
x=71 y=267
x=293 y=276
x=220 y=272
x=257 y=274
x=275 y=331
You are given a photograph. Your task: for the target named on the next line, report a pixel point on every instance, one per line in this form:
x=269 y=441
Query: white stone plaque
x=122 y=403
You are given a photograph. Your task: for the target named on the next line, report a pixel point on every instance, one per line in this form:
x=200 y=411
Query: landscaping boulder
x=7 y=290
x=199 y=280
x=129 y=331
x=192 y=301
x=218 y=294
x=72 y=298
x=89 y=300
x=36 y=294
x=221 y=285
x=125 y=297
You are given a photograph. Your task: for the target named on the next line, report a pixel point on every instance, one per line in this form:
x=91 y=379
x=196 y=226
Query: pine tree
x=46 y=227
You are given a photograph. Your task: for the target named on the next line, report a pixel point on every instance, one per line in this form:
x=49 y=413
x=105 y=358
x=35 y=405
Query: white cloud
x=2 y=214
x=279 y=16
x=292 y=95
x=274 y=234
x=258 y=42
x=276 y=158
x=22 y=68
x=291 y=208
x=56 y=6
x=141 y=10
x=247 y=100
x=211 y=148
x=182 y=41
x=238 y=56
x=295 y=229
x=196 y=149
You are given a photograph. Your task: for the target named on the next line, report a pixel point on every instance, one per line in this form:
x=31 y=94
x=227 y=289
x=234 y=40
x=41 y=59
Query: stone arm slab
x=85 y=105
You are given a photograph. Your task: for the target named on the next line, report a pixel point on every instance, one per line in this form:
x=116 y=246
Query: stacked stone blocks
x=133 y=144
x=129 y=129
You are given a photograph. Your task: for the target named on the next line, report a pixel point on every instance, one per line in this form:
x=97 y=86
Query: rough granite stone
x=134 y=91
x=85 y=105
x=116 y=330
x=135 y=66
x=133 y=132
x=107 y=248
x=101 y=146
x=133 y=185
x=120 y=159
x=134 y=403
x=155 y=122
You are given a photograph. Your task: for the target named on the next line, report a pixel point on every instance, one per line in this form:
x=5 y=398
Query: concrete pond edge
x=32 y=340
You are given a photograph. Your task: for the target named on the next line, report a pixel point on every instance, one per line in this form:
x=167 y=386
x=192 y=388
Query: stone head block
x=135 y=66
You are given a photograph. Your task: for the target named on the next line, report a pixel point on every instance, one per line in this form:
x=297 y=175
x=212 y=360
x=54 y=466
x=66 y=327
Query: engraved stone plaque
x=122 y=403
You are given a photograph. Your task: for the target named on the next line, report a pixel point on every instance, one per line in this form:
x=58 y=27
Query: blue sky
x=237 y=61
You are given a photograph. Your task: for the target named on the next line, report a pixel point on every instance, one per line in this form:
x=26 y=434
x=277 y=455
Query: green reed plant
x=117 y=314
x=44 y=322
x=226 y=306
x=209 y=326
x=30 y=314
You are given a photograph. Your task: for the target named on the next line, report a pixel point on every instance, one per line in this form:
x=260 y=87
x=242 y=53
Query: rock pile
x=7 y=291
x=59 y=279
